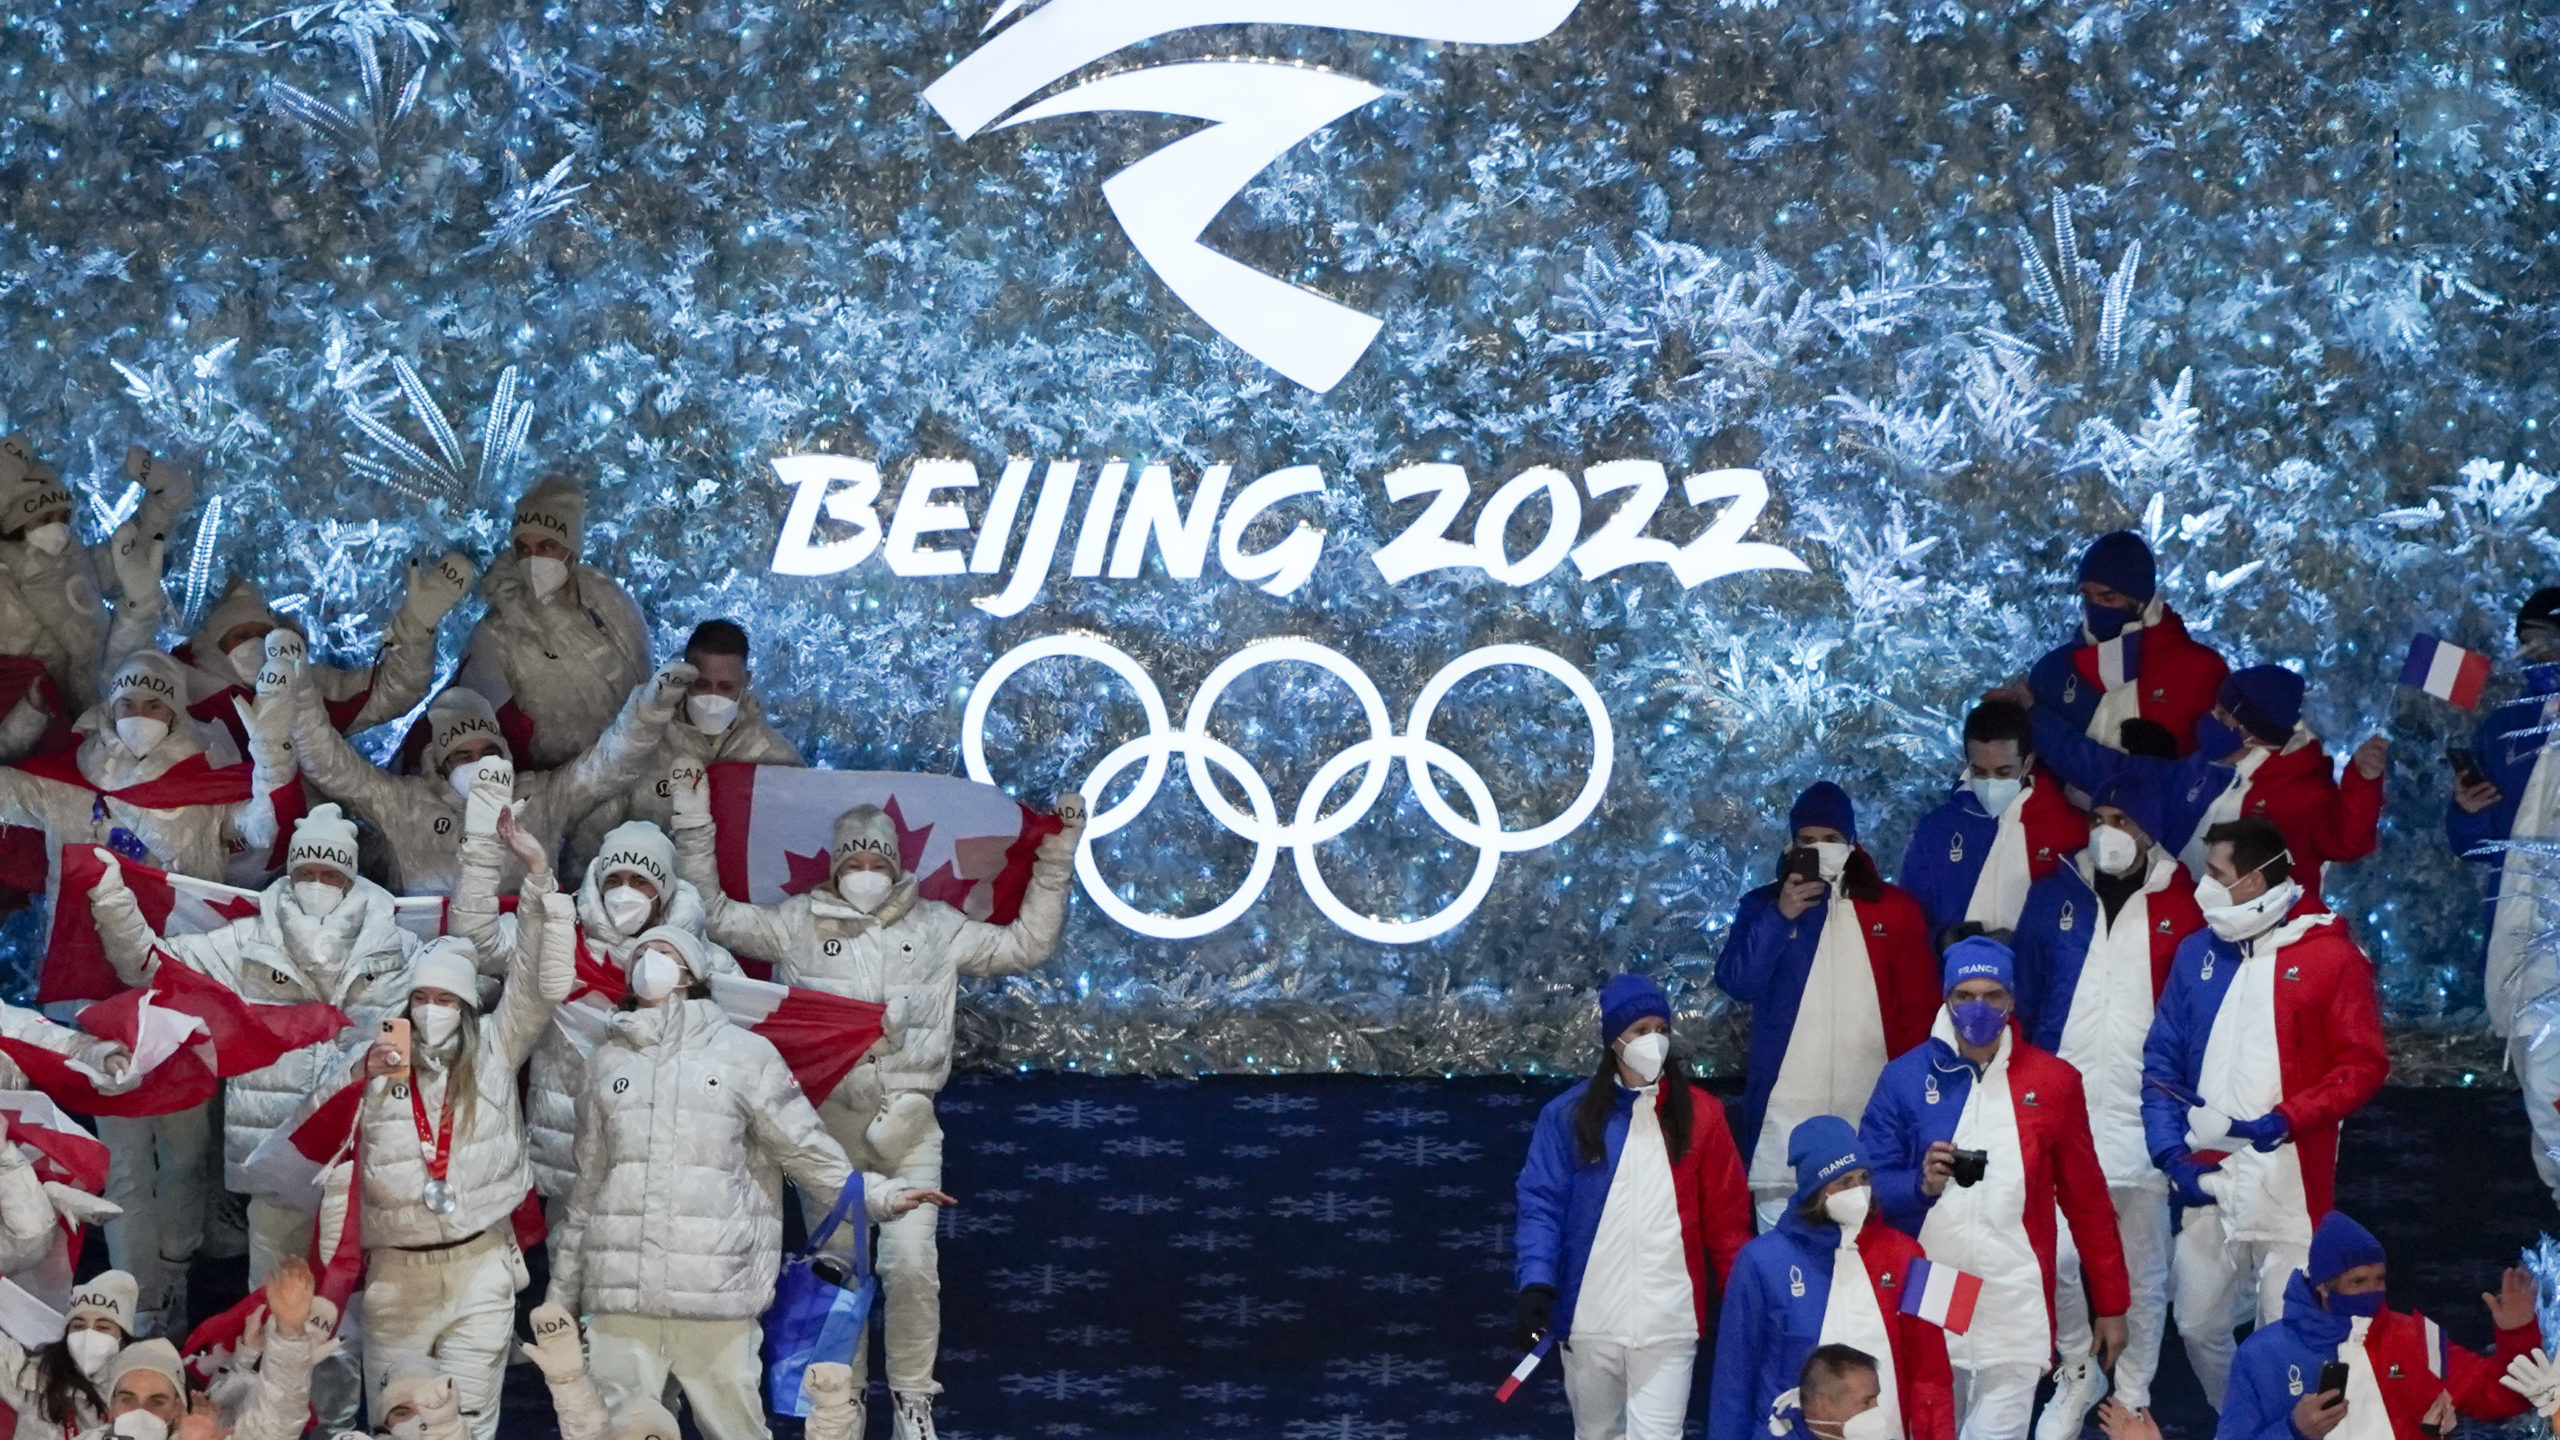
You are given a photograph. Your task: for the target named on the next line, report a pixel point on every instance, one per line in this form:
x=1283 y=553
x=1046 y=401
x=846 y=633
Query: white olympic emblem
x=1313 y=824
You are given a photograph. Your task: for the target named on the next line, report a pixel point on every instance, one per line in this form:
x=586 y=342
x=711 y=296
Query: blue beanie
x=1978 y=957
x=2265 y=699
x=2135 y=798
x=1824 y=803
x=2121 y=561
x=2338 y=1246
x=1627 y=999
x=1822 y=1150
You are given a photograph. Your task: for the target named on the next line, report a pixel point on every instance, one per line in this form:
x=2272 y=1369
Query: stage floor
x=1328 y=1258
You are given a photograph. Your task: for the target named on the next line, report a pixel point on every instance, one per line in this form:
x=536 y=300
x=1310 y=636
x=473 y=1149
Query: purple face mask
x=2367 y=1305
x=1978 y=1022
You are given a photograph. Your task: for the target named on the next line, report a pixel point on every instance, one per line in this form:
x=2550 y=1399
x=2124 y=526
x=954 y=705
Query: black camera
x=1970 y=1166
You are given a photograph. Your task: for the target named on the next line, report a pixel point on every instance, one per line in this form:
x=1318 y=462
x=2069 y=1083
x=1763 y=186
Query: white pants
x=717 y=1362
x=2538 y=1072
x=908 y=1260
x=2142 y=1223
x=157 y=1170
x=1996 y=1402
x=453 y=1309
x=1768 y=1210
x=1621 y=1392
x=2215 y=1285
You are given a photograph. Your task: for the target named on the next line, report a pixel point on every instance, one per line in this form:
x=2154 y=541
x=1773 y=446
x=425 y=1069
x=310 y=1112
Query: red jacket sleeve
x=2472 y=1378
x=2352 y=1061
x=1724 y=1195
x=1920 y=1371
x=2080 y=1188
x=2358 y=827
x=1903 y=958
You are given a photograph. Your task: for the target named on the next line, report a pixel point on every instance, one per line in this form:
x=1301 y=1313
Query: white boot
x=914 y=1415
x=2075 y=1390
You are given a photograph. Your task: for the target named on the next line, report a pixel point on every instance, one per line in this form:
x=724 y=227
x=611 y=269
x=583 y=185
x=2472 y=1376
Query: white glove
x=138 y=559
x=269 y=721
x=440 y=1407
x=2536 y=1377
x=435 y=589
x=689 y=789
x=490 y=793
x=668 y=686
x=158 y=477
x=2207 y=1127
x=107 y=1062
x=828 y=1383
x=111 y=879
x=282 y=672
x=1073 y=811
x=79 y=1206
x=554 y=1348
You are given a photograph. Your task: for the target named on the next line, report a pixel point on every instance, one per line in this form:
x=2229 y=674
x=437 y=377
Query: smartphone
x=2333 y=1377
x=2466 y=766
x=395 y=1033
x=1801 y=864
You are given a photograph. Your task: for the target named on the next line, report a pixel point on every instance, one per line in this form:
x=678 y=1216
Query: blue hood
x=2304 y=1315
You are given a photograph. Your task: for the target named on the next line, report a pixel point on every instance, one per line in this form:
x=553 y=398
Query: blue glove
x=2264 y=1133
x=2186 y=1177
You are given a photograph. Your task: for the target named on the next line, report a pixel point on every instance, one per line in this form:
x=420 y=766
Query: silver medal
x=437 y=1197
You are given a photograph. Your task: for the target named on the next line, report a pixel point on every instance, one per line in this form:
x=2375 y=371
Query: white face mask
x=712 y=714
x=1833 y=857
x=141 y=734
x=2241 y=919
x=412 y=1428
x=655 y=975
x=2114 y=851
x=139 y=1425
x=863 y=889
x=1644 y=1055
x=1994 y=794
x=91 y=1350
x=627 y=909
x=247 y=659
x=546 y=576
x=50 y=539
x=317 y=897
x=1865 y=1425
x=436 y=1023
x=1848 y=1208
x=497 y=767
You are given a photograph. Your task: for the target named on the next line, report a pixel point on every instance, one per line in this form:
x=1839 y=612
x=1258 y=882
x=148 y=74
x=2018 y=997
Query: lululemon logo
x=1259 y=110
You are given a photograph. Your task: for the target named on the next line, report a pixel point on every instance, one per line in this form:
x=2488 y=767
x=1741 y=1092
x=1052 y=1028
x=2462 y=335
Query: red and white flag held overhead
x=969 y=845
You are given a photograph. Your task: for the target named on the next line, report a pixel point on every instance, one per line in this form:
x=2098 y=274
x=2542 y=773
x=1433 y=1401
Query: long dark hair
x=62 y=1391
x=1671 y=1105
x=1858 y=878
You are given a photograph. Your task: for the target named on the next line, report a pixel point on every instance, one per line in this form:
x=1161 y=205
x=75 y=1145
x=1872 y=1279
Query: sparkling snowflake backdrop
x=2272 y=281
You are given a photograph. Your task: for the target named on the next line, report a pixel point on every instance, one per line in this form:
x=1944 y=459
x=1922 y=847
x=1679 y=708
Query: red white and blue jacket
x=2328 y=1026
x=1772 y=1319
x=2052 y=943
x=1560 y=1198
x=2413 y=1365
x=1917 y=1102
x=1943 y=862
x=2177 y=676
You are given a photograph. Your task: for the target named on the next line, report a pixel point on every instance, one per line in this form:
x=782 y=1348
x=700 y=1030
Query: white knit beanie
x=447 y=963
x=866 y=829
x=455 y=716
x=323 y=837
x=107 y=1295
x=28 y=486
x=556 y=509
x=149 y=672
x=641 y=848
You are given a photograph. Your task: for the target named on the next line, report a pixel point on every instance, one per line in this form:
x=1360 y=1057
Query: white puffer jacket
x=567 y=661
x=907 y=955
x=486 y=1168
x=32 y=1248
x=559 y=1070
x=357 y=959
x=197 y=840
x=53 y=609
x=420 y=816
x=749 y=740
x=685 y=1132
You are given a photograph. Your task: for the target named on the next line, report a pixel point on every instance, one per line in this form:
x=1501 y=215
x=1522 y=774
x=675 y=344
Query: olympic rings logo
x=1312 y=824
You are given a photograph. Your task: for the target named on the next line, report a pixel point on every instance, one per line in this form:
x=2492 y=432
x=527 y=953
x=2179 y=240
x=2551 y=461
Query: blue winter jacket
x=1772 y=1317
x=2278 y=1364
x=2052 y=945
x=2508 y=745
x=2187 y=787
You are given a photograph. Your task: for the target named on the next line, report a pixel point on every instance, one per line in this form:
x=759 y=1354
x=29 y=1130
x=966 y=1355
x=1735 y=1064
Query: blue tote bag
x=822 y=1306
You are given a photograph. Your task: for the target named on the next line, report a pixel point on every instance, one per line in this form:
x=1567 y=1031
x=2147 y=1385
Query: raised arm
x=618 y=760
x=326 y=759
x=405 y=666
x=555 y=1350
x=985 y=949
x=130 y=942
x=761 y=931
x=27 y=1228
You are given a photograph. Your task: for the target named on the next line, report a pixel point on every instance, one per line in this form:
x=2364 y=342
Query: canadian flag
x=184 y=1031
x=62 y=1148
x=75 y=963
x=821 y=1037
x=969 y=845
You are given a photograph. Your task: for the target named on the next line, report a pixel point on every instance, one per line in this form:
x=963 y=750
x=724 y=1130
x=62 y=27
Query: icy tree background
x=2272 y=281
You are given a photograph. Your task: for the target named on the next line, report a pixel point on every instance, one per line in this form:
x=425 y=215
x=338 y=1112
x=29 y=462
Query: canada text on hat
x=632 y=858
x=323 y=837
x=137 y=678
x=50 y=496
x=872 y=844
x=462 y=723
x=109 y=1295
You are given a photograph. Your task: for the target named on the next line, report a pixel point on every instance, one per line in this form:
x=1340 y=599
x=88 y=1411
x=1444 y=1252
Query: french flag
x=2448 y=672
x=1520 y=1373
x=1942 y=1295
x=969 y=845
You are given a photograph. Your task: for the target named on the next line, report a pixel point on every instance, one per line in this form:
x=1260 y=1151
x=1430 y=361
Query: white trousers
x=157 y=1169
x=2216 y=1284
x=1622 y=1392
x=907 y=1257
x=716 y=1362
x=454 y=1310
x=1997 y=1402
x=2142 y=1223
x=2538 y=1072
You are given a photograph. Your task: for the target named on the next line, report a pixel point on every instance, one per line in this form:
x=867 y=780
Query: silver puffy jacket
x=907 y=955
x=197 y=840
x=685 y=1131
x=559 y=1068
x=567 y=660
x=357 y=959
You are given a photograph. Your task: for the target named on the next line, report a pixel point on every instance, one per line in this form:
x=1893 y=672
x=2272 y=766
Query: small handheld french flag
x=1511 y=1385
x=1942 y=1295
x=2448 y=672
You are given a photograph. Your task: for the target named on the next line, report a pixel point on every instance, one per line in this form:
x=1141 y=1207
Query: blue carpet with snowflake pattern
x=1329 y=1258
